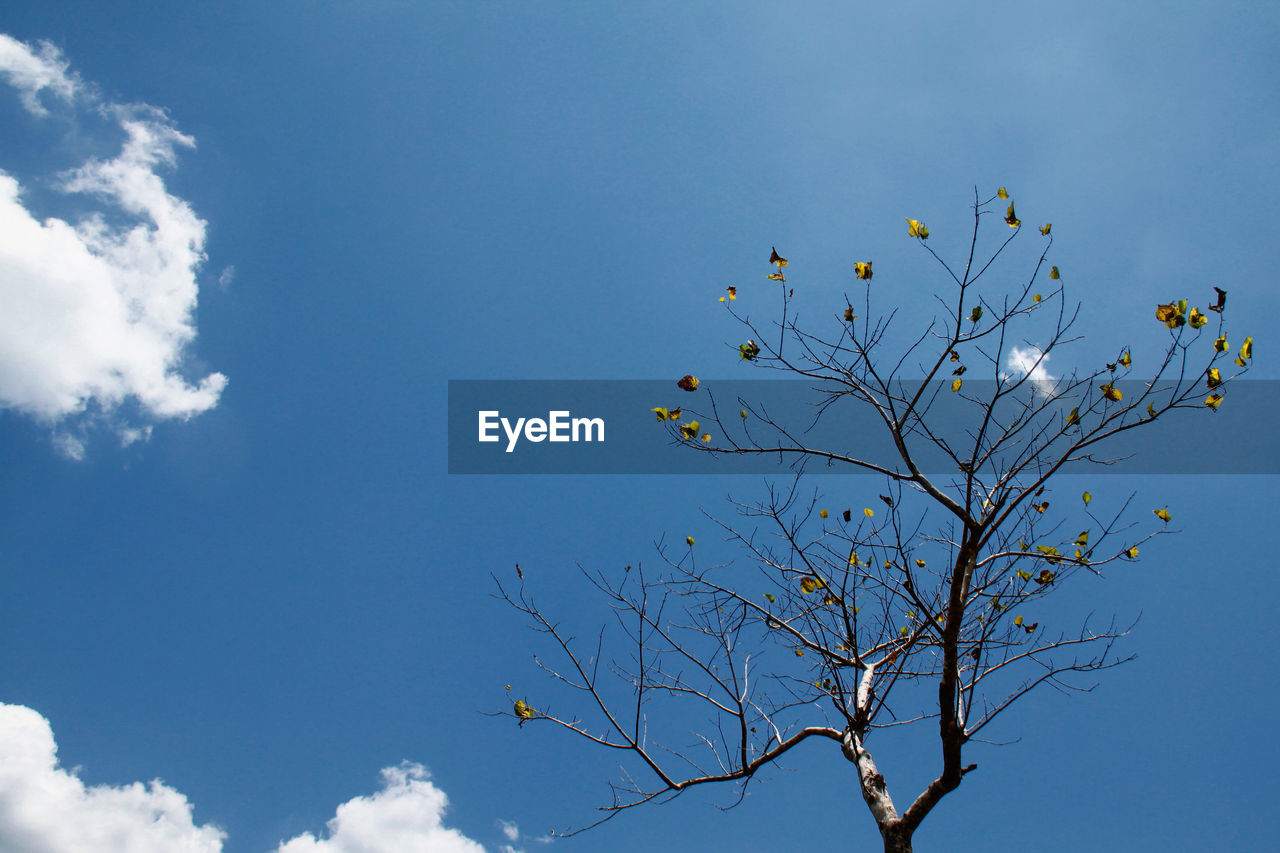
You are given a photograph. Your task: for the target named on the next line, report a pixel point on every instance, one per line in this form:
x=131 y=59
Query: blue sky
x=232 y=558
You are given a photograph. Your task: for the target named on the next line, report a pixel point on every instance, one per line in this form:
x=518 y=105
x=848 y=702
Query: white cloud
x=406 y=815
x=100 y=311
x=30 y=71
x=510 y=829
x=1031 y=362
x=46 y=809
x=227 y=276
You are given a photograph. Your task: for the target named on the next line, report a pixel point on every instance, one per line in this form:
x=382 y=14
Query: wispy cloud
x=1033 y=364
x=45 y=808
x=100 y=311
x=31 y=70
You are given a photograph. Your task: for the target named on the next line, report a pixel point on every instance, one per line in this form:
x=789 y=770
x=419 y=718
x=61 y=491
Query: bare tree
x=928 y=608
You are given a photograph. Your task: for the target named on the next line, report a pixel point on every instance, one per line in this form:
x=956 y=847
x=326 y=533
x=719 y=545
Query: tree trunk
x=897 y=838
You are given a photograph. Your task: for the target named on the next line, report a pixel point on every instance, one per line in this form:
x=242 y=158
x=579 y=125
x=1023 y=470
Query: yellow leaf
x=915 y=228
x=1046 y=228
x=1163 y=514
x=1011 y=218
x=822 y=514
x=1074 y=417
x=1246 y=348
x=690 y=430
x=523 y=710
x=777 y=276
x=799 y=653
x=863 y=269
x=742 y=413
x=688 y=383
x=867 y=512
x=706 y=437
x=1054 y=274
x=1111 y=392
x=920 y=563
x=1213 y=401
x=1003 y=193
x=1213 y=378
x=776 y=259
x=733 y=293
x=808 y=585
x=1151 y=410
x=849 y=316
x=1086 y=497
x=1035 y=298
x=955 y=385
x=1197 y=319
x=689 y=539
x=1131 y=553
x=1220 y=345
x=1083 y=539
x=1125 y=359
x=662 y=413
x=749 y=350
